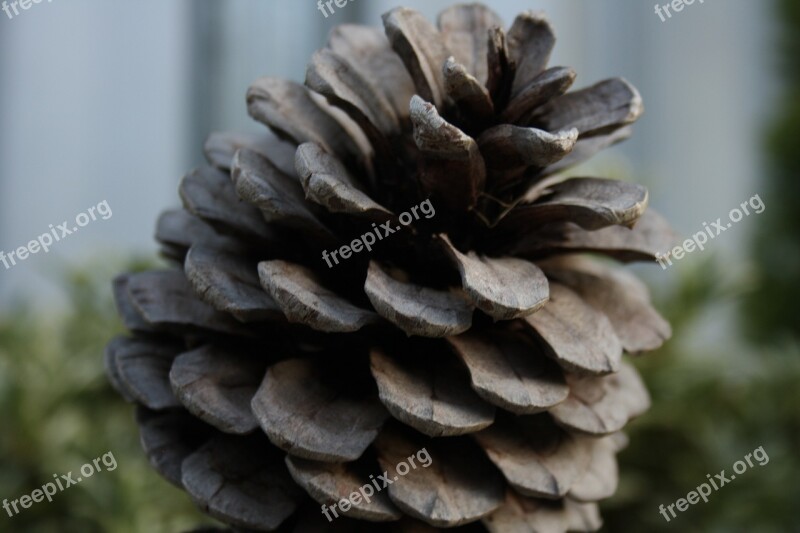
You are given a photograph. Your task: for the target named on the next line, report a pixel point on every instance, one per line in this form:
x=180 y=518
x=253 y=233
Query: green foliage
x=58 y=413
x=777 y=247
x=712 y=404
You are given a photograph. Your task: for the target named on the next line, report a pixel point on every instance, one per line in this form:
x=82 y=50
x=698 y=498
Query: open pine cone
x=270 y=383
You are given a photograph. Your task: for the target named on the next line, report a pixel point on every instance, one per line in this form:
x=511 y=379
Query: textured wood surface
x=510 y=371
x=470 y=96
x=209 y=194
x=421 y=48
x=445 y=494
x=552 y=82
x=180 y=229
x=591 y=203
x=520 y=514
x=141 y=368
x=451 y=167
x=502 y=287
x=415 y=309
x=601 y=108
x=327 y=182
x=370 y=54
x=242 y=481
x=580 y=338
x=111 y=370
x=601 y=406
x=601 y=478
x=650 y=236
x=220 y=147
x=303 y=299
x=131 y=317
x=230 y=283
x=531 y=40
x=217 y=386
x=536 y=457
x=507 y=147
x=329 y=483
x=278 y=196
x=588 y=147
x=430 y=394
x=619 y=295
x=168 y=437
x=335 y=78
x=465 y=28
x=288 y=108
x=165 y=299
x=312 y=413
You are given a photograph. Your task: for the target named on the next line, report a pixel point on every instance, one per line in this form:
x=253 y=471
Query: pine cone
x=271 y=380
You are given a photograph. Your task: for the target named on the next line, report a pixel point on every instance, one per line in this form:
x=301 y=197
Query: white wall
x=91 y=109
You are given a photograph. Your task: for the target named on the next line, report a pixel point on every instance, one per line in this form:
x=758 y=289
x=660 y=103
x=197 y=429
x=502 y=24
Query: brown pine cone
x=277 y=371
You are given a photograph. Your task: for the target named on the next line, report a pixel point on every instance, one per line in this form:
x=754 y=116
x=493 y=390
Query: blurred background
x=111 y=100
